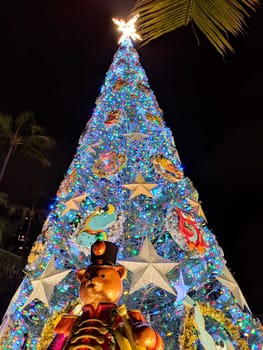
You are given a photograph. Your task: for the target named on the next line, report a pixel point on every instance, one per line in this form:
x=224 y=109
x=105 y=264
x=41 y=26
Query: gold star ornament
x=74 y=203
x=197 y=205
x=135 y=136
x=127 y=28
x=140 y=187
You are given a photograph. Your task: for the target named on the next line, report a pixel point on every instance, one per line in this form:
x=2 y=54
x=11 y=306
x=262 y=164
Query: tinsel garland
x=190 y=334
x=188 y=337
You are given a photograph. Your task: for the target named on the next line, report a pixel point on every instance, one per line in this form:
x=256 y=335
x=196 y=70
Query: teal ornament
x=85 y=239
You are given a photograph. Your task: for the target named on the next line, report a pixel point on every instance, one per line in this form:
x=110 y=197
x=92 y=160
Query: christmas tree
x=126 y=183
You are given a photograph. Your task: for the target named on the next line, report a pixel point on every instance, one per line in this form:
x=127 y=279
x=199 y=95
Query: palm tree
x=23 y=135
x=216 y=19
x=11 y=216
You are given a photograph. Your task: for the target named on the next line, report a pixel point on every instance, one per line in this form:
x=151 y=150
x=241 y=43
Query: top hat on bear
x=103 y=253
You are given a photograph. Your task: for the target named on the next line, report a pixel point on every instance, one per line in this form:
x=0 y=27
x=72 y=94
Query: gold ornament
x=113 y=117
x=109 y=163
x=136 y=136
x=66 y=183
x=143 y=87
x=35 y=251
x=140 y=187
x=190 y=334
x=167 y=168
x=120 y=83
x=155 y=119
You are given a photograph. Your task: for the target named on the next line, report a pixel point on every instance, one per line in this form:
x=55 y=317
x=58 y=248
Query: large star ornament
x=90 y=148
x=196 y=204
x=44 y=285
x=149 y=267
x=140 y=187
x=74 y=203
x=135 y=136
x=228 y=281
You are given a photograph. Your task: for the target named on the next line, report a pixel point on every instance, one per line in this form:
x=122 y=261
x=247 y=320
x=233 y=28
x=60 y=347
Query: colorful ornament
x=198 y=320
x=100 y=219
x=113 y=118
x=140 y=187
x=67 y=183
x=155 y=119
x=191 y=232
x=190 y=332
x=109 y=163
x=120 y=83
x=167 y=168
x=143 y=87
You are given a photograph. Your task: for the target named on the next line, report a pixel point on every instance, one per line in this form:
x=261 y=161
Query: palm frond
x=216 y=19
x=31 y=152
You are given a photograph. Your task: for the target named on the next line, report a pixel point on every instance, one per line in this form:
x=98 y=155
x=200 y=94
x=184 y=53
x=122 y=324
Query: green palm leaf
x=22 y=134
x=215 y=18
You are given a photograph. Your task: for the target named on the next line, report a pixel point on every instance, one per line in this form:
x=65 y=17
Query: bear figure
x=103 y=325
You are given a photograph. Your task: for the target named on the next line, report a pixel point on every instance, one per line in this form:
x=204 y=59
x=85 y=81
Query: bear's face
x=101 y=284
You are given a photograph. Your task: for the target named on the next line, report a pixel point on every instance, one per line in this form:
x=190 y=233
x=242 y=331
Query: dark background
x=53 y=60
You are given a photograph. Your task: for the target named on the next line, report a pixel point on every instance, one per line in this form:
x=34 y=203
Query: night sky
x=53 y=61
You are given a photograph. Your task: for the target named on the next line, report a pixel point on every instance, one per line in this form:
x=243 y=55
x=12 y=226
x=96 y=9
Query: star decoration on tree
x=127 y=28
x=135 y=136
x=149 y=267
x=181 y=288
x=175 y=152
x=90 y=148
x=74 y=203
x=140 y=187
x=228 y=281
x=44 y=285
x=197 y=205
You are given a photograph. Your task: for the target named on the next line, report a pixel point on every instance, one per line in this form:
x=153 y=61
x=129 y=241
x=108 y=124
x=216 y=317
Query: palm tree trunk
x=6 y=162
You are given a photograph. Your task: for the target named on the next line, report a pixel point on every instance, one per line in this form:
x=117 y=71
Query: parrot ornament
x=189 y=229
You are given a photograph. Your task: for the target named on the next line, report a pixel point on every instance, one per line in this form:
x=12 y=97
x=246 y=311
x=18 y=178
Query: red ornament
x=112 y=118
x=191 y=232
x=99 y=248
